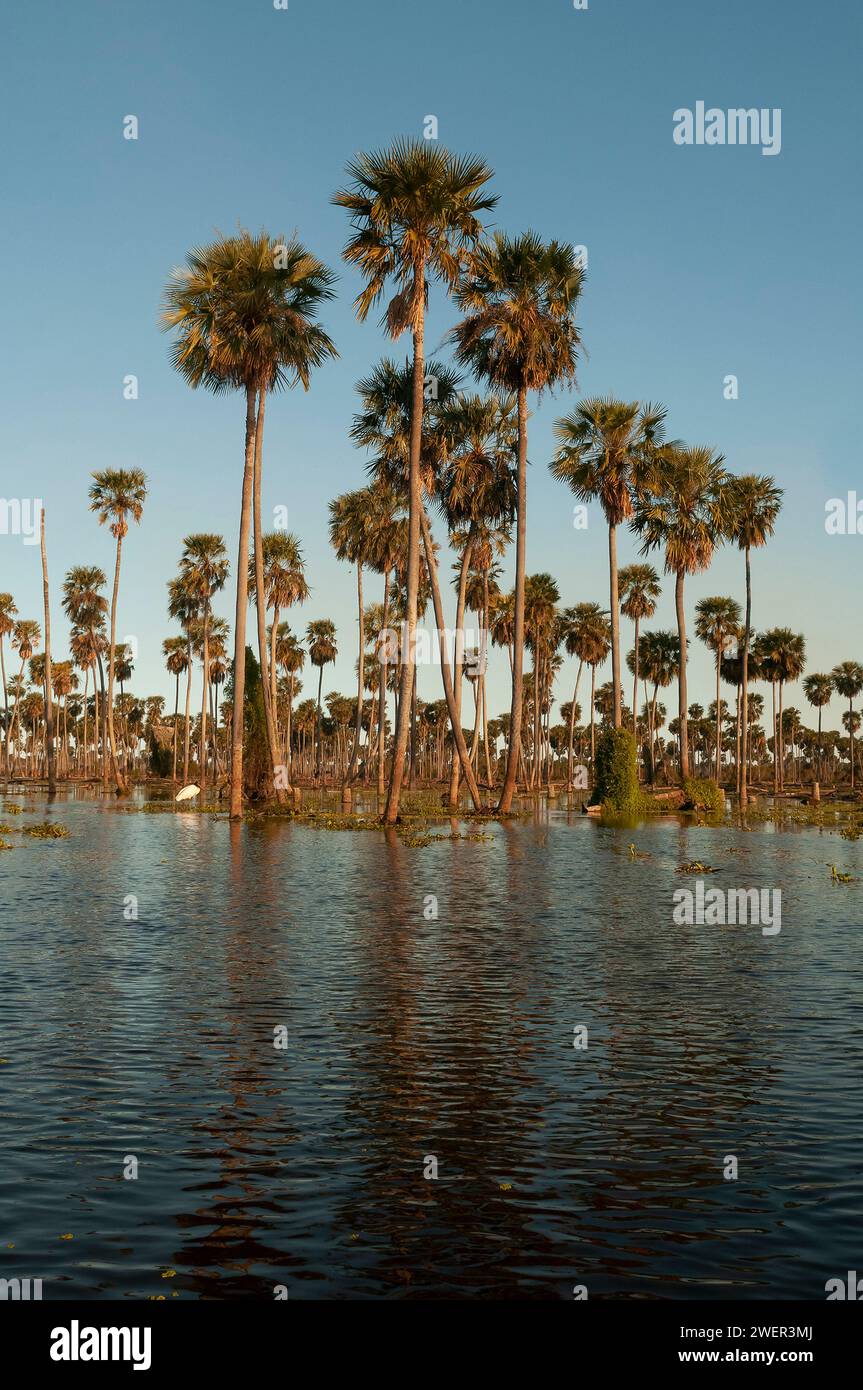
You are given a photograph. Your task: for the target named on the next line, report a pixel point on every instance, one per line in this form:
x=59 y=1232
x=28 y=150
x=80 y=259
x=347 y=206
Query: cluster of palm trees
x=440 y=448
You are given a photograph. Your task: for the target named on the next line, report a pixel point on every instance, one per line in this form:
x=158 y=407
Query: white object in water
x=186 y=793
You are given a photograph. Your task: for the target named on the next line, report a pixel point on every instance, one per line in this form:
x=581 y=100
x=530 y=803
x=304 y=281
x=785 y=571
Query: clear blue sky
x=702 y=262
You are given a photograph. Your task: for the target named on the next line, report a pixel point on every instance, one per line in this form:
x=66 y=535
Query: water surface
x=411 y=1038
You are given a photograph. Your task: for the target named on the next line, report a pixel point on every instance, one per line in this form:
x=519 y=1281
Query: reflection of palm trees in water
x=445 y=1064
x=253 y=1129
x=667 y=1087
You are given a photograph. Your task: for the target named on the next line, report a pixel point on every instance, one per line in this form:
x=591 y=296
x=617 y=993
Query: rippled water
x=411 y=1038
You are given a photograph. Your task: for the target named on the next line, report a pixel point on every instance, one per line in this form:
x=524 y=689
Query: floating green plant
x=46 y=830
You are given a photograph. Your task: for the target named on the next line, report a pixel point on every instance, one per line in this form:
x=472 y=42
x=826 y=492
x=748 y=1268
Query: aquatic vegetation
x=638 y=853
x=703 y=794
x=11 y=808
x=46 y=830
x=837 y=877
x=695 y=866
x=4 y=845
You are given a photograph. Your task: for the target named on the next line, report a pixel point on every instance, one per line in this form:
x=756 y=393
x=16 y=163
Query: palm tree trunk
x=176 y=708
x=683 y=737
x=49 y=693
x=187 y=732
x=458 y=662
x=121 y=786
x=775 y=741
x=572 y=726
x=261 y=597
x=744 y=765
x=206 y=684
x=718 y=718
x=274 y=687
x=237 y=719
x=361 y=676
x=455 y=722
x=382 y=687
x=514 y=748
x=851 y=735
x=615 y=626
x=319 y=764
x=592 y=723
x=635 y=682
x=5 y=709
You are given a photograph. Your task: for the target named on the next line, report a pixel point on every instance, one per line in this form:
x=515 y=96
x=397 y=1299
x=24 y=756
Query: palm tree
x=86 y=607
x=385 y=426
x=291 y=657
x=175 y=652
x=284 y=579
x=754 y=503
x=184 y=606
x=542 y=635
x=818 y=689
x=115 y=495
x=8 y=611
x=321 y=640
x=50 y=757
x=519 y=334
x=659 y=660
x=414 y=212
x=785 y=651
x=683 y=509
x=352 y=539
x=586 y=632
x=477 y=494
x=244 y=309
x=717 y=624
x=204 y=571
x=26 y=635
x=604 y=446
x=848 y=682
x=639 y=589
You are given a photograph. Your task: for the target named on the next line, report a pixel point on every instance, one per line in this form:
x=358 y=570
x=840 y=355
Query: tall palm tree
x=683 y=509
x=848 y=682
x=245 y=311
x=204 y=571
x=321 y=640
x=175 y=652
x=659 y=660
x=477 y=492
x=385 y=426
x=291 y=657
x=86 y=607
x=586 y=631
x=352 y=539
x=818 y=689
x=639 y=589
x=284 y=578
x=604 y=447
x=415 y=212
x=26 y=635
x=184 y=606
x=542 y=635
x=116 y=494
x=519 y=334
x=8 y=613
x=754 y=503
x=786 y=653
x=717 y=625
